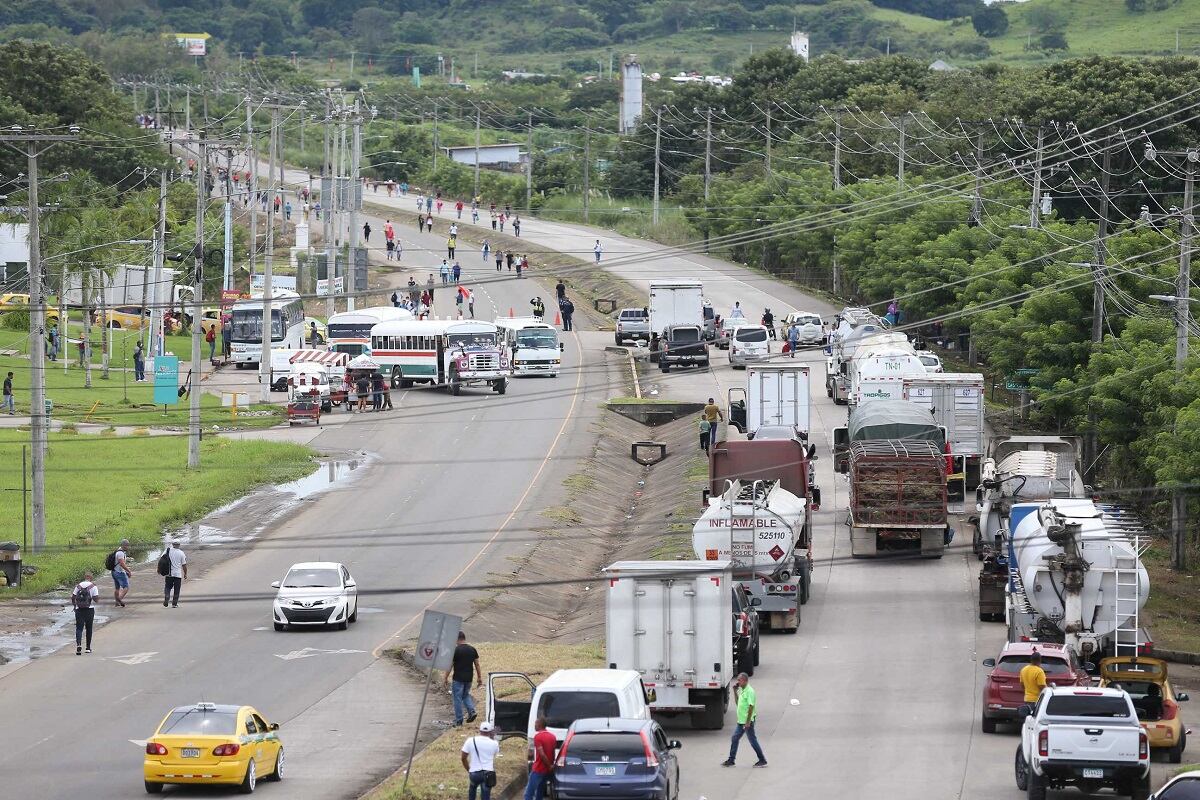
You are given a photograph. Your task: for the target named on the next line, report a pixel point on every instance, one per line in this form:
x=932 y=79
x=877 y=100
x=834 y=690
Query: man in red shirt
x=544 y=744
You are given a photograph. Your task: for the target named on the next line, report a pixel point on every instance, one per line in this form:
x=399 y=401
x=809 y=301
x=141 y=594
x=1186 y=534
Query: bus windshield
x=350 y=330
x=471 y=340
x=537 y=338
x=247 y=325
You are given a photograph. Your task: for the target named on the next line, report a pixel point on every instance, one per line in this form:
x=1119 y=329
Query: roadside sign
x=229 y=297
x=166 y=380
x=439 y=636
x=1014 y=385
x=339 y=284
x=1027 y=371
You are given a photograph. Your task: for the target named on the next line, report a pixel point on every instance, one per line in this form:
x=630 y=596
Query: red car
x=1003 y=694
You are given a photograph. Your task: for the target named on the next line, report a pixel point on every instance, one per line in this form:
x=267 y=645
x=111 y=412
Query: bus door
x=441 y=359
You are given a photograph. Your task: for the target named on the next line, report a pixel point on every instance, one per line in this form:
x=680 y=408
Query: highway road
x=456 y=485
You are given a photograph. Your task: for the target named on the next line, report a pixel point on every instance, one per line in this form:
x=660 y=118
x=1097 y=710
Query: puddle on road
x=38 y=631
x=45 y=639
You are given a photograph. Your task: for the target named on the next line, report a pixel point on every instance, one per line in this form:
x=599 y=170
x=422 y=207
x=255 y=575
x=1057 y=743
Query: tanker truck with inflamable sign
x=762 y=529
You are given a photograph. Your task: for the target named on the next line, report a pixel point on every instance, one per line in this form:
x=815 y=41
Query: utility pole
x=528 y=163
x=837 y=184
x=1100 y=252
x=1036 y=202
x=27 y=145
x=227 y=266
x=476 y=194
x=768 y=141
x=355 y=205
x=154 y=347
x=707 y=169
x=264 y=358
x=198 y=288
x=657 y=161
x=900 y=153
x=976 y=194
x=351 y=63
x=1183 y=286
x=252 y=184
x=435 y=135
x=187 y=110
x=587 y=169
x=328 y=178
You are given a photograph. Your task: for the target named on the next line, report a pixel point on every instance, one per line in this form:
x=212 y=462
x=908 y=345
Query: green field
x=102 y=489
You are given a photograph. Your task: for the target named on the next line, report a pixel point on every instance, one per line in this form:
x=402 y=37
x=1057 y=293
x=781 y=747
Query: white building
x=800 y=44
x=14 y=252
x=630 y=107
x=499 y=156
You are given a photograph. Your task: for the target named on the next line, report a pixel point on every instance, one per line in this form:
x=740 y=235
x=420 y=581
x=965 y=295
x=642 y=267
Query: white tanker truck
x=1075 y=575
x=760 y=527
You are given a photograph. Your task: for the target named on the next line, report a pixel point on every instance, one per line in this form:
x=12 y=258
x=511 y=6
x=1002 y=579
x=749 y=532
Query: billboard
x=194 y=44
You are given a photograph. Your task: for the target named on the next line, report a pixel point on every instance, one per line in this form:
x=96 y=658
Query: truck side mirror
x=812 y=452
x=816 y=498
x=562 y=347
x=755 y=602
x=1182 y=697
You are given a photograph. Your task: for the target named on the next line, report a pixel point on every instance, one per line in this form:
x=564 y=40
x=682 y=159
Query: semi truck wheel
x=712 y=718
x=455 y=386
x=1036 y=788
x=745 y=662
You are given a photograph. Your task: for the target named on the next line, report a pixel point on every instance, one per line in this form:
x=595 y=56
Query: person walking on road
x=176 y=574
x=1033 y=680
x=487 y=248
x=479 y=755
x=560 y=290
x=52 y=341
x=705 y=427
x=119 y=559
x=226 y=339
x=451 y=245
x=84 y=597
x=444 y=271
x=793 y=337
x=499 y=259
x=471 y=302
x=712 y=413
x=429 y=287
x=429 y=223
x=747 y=713
x=456 y=271
x=458 y=207
x=544 y=745
x=597 y=250
x=768 y=321
x=508 y=259
x=366 y=232
x=10 y=401
x=539 y=308
x=568 y=311
x=463 y=663
x=210 y=336
x=516 y=227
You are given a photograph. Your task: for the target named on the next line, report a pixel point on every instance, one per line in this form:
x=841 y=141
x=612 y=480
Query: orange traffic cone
x=557 y=318
x=510 y=312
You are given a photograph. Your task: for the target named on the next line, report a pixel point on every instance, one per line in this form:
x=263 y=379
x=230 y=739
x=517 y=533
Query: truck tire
x=757 y=650
x=1021 y=770
x=986 y=724
x=1140 y=789
x=500 y=386
x=712 y=718
x=455 y=386
x=1036 y=788
x=617 y=339
x=665 y=367
x=745 y=662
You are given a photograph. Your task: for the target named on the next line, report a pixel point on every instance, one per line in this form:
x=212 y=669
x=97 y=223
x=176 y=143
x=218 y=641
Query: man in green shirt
x=747 y=713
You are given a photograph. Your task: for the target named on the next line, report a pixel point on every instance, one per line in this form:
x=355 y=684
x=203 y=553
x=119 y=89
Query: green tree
x=990 y=21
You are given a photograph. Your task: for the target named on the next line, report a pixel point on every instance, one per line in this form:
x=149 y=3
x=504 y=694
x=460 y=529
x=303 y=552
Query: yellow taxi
x=208 y=743
x=11 y=301
x=1157 y=704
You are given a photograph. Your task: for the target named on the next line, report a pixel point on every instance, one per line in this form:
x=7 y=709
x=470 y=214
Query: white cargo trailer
x=672 y=621
x=124 y=287
x=775 y=394
x=678 y=301
x=955 y=401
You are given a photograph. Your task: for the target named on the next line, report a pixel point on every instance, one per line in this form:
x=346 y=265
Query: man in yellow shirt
x=1033 y=677
x=712 y=413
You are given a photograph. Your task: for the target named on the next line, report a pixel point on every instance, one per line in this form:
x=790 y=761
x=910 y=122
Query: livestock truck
x=897 y=498
x=761 y=527
x=671 y=621
x=788 y=461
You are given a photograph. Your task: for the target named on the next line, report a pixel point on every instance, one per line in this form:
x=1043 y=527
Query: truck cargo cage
x=898 y=483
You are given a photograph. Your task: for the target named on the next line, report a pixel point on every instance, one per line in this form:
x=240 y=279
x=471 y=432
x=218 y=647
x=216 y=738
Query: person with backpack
x=174 y=573
x=117 y=563
x=210 y=336
x=84 y=597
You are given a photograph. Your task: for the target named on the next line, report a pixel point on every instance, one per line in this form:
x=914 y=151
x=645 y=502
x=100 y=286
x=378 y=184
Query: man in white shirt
x=174 y=581
x=84 y=597
x=479 y=760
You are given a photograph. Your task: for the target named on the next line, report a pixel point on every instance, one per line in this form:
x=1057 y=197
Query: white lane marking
x=309 y=652
x=134 y=658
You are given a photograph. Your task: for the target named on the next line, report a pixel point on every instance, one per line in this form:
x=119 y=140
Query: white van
x=281 y=369
x=749 y=343
x=514 y=702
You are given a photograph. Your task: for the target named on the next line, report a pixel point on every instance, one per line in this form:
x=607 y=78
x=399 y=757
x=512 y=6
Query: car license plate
x=190 y=752
x=606 y=770
x=1093 y=773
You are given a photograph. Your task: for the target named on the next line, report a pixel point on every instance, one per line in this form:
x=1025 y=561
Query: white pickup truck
x=1084 y=737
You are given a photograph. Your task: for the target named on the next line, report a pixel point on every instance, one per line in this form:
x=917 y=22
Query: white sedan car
x=812 y=330
x=316 y=593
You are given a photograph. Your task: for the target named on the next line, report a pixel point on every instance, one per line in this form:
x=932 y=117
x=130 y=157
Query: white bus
x=531 y=345
x=287 y=326
x=442 y=352
x=350 y=331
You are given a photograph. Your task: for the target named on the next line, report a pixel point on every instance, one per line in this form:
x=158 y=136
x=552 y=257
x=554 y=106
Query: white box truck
x=679 y=301
x=955 y=401
x=775 y=394
x=879 y=373
x=672 y=622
